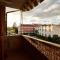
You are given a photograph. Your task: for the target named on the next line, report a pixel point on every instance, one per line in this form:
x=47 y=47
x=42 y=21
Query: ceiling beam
x=21 y=4
x=12 y=11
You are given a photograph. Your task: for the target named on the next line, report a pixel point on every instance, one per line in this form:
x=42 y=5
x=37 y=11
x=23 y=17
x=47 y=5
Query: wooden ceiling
x=24 y=5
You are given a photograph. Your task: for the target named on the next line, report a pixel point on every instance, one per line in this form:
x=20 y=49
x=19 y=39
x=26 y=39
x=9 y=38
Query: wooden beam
x=35 y=3
x=5 y=2
x=2 y=19
x=41 y=1
x=12 y=11
x=2 y=30
x=19 y=3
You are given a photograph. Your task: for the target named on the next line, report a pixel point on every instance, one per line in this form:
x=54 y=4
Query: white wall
x=56 y=30
x=52 y=30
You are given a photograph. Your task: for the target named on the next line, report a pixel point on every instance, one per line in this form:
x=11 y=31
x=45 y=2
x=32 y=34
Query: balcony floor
x=19 y=55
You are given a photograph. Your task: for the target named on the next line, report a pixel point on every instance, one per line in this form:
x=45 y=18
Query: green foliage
x=15 y=29
x=10 y=30
x=49 y=38
x=36 y=32
x=54 y=39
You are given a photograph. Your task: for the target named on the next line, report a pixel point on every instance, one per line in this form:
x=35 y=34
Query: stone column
x=2 y=30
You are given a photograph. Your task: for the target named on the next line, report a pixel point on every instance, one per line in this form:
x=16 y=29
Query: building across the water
x=27 y=28
x=48 y=29
x=43 y=29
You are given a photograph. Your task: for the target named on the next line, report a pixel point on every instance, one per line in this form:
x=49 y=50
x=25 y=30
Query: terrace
x=23 y=47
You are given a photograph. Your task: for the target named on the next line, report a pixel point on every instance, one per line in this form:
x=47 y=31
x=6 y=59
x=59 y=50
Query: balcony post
x=2 y=30
x=2 y=20
x=21 y=22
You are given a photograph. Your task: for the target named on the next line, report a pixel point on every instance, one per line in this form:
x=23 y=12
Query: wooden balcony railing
x=41 y=49
x=50 y=50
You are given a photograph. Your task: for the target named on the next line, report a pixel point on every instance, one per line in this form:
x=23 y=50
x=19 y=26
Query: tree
x=15 y=27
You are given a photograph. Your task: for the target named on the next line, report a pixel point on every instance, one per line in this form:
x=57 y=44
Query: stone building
x=27 y=28
x=48 y=29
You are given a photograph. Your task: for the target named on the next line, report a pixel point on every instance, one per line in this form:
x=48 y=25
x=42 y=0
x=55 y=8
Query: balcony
x=26 y=47
x=23 y=47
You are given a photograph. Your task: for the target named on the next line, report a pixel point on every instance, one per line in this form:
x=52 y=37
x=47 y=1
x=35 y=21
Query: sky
x=46 y=12
x=13 y=18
